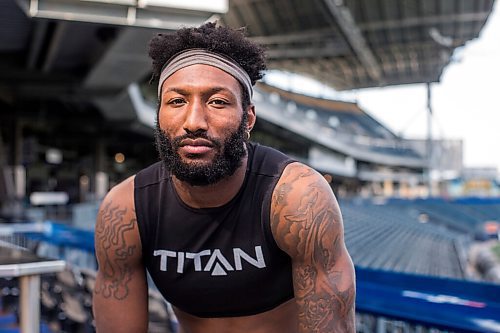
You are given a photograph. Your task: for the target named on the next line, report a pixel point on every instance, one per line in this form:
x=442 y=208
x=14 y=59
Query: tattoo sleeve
x=307 y=225
x=113 y=251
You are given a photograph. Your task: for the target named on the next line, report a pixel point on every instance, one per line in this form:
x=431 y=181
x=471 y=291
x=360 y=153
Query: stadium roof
x=351 y=44
x=79 y=51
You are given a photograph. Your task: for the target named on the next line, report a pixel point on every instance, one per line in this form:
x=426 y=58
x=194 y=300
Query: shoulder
x=298 y=183
x=121 y=194
x=116 y=223
x=303 y=208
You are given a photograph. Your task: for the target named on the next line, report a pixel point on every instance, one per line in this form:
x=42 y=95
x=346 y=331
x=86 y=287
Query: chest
x=212 y=261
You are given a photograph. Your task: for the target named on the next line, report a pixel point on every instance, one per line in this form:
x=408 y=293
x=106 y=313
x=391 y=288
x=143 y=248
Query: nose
x=196 y=117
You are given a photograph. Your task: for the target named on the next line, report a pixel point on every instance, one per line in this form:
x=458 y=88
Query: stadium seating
x=354 y=127
x=390 y=237
x=463 y=215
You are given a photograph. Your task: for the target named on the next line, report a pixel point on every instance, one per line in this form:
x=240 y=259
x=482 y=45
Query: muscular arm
x=307 y=224
x=120 y=294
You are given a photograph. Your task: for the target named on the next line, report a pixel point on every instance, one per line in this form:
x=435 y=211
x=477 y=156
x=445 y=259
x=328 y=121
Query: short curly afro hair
x=228 y=42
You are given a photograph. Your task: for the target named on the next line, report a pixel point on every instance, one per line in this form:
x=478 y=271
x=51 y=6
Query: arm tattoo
x=310 y=231
x=114 y=252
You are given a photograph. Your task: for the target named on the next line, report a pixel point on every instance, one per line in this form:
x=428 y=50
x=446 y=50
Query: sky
x=466 y=103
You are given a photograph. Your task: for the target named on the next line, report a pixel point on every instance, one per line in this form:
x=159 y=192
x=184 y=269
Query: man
x=236 y=236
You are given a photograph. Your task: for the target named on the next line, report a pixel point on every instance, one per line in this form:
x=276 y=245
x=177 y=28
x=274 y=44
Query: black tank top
x=215 y=262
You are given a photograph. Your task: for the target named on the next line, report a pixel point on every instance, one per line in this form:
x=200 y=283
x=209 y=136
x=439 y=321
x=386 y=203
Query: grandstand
x=465 y=215
x=344 y=128
x=338 y=121
x=389 y=238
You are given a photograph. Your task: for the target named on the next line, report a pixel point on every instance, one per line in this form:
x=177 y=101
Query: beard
x=228 y=157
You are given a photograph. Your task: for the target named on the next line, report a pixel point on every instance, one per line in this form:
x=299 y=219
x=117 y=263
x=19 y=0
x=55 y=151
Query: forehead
x=202 y=77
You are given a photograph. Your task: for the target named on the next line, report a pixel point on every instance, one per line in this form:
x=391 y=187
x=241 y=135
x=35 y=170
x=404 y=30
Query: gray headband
x=204 y=57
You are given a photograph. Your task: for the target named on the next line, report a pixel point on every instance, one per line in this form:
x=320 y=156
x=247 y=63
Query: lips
x=196 y=146
x=196 y=142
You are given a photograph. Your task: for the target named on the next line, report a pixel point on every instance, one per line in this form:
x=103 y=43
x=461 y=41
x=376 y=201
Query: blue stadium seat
x=7 y=319
x=390 y=237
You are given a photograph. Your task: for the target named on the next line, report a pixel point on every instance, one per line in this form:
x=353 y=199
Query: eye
x=176 y=101
x=218 y=102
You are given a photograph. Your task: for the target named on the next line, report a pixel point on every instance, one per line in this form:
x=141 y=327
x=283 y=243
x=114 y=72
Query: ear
x=251 y=116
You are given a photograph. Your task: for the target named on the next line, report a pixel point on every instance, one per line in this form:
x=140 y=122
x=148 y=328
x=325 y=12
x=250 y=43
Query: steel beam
x=352 y=33
x=296 y=37
x=320 y=51
x=253 y=20
x=125 y=61
x=424 y=20
x=39 y=32
x=55 y=44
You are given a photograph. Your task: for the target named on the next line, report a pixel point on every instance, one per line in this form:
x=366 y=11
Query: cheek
x=166 y=123
x=227 y=127
x=162 y=123
x=161 y=119
x=232 y=119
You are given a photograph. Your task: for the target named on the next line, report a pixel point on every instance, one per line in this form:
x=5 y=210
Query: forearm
x=109 y=319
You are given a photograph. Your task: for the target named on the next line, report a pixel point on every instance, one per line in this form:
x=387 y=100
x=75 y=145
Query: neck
x=213 y=195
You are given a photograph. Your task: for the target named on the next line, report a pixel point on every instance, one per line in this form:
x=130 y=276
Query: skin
x=305 y=221
x=307 y=224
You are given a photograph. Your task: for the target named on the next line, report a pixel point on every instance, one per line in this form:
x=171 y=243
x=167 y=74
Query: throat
x=213 y=195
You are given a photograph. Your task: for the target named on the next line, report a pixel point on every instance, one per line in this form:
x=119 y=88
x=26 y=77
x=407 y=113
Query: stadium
x=78 y=110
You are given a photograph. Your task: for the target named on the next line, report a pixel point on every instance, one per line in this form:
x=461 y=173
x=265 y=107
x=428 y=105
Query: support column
x=429 y=139
x=101 y=180
x=381 y=327
x=30 y=303
x=388 y=188
x=404 y=189
x=19 y=171
x=3 y=166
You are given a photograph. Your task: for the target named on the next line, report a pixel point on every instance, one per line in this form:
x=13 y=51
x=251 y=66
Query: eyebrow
x=210 y=91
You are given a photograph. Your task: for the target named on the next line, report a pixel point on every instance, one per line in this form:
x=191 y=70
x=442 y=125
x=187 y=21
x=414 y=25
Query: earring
x=247 y=135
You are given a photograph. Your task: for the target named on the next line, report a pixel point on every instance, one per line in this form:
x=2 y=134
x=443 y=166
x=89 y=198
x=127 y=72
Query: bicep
x=307 y=224
x=120 y=292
